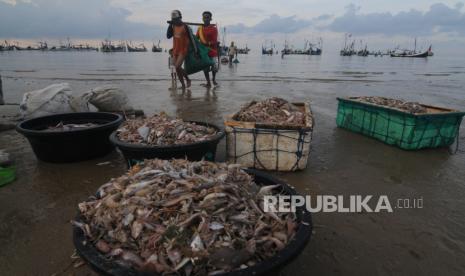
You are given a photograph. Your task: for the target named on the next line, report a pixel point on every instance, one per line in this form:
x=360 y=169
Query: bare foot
x=188 y=83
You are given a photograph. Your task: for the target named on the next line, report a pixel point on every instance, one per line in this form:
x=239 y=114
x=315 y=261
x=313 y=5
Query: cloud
x=324 y=17
x=14 y=2
x=59 y=19
x=439 y=18
x=272 y=24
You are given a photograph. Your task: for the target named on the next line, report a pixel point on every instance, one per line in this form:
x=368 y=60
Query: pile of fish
x=274 y=110
x=185 y=218
x=162 y=130
x=66 y=127
x=410 y=107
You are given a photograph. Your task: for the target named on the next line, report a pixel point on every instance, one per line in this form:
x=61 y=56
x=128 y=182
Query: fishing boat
x=69 y=48
x=157 y=48
x=6 y=46
x=244 y=51
x=41 y=47
x=411 y=53
x=82 y=47
x=348 y=49
x=108 y=47
x=140 y=48
x=222 y=48
x=268 y=49
x=63 y=47
x=287 y=50
x=316 y=52
x=363 y=52
x=378 y=53
x=316 y=49
x=60 y=48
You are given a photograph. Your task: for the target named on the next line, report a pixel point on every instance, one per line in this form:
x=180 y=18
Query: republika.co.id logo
x=339 y=203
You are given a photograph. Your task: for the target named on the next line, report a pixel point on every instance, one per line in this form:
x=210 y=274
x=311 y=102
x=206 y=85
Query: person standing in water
x=179 y=32
x=208 y=36
x=232 y=52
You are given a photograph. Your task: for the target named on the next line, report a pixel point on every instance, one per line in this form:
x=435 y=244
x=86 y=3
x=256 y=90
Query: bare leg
x=207 y=77
x=214 y=77
x=181 y=77
x=173 y=81
x=188 y=81
x=181 y=74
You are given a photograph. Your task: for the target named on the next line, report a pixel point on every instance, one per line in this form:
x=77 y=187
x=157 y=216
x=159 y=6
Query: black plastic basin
x=72 y=145
x=134 y=153
x=106 y=266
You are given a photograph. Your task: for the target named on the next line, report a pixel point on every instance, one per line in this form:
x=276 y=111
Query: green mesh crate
x=7 y=175
x=439 y=127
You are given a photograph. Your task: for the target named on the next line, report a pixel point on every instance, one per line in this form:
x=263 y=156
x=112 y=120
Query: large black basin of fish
x=193 y=152
x=70 y=145
x=106 y=266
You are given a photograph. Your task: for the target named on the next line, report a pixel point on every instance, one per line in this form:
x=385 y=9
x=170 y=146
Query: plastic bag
x=52 y=99
x=108 y=98
x=80 y=103
x=197 y=62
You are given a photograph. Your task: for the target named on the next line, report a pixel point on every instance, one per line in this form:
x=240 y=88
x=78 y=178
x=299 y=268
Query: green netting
x=197 y=58
x=405 y=130
x=7 y=175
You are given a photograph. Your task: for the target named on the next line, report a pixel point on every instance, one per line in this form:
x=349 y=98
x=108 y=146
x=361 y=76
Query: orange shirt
x=209 y=36
x=180 y=40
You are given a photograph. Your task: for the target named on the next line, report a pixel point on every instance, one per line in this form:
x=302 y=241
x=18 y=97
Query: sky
x=380 y=24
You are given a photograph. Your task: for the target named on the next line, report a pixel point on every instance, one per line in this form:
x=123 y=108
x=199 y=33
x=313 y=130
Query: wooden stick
x=190 y=23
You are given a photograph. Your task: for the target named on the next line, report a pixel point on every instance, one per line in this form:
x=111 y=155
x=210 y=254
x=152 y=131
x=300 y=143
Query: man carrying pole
x=180 y=34
x=208 y=36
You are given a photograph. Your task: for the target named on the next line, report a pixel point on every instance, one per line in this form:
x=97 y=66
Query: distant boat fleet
x=315 y=49
x=107 y=46
x=349 y=50
x=268 y=48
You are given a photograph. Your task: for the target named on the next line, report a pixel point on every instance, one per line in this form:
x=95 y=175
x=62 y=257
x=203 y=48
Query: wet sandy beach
x=35 y=210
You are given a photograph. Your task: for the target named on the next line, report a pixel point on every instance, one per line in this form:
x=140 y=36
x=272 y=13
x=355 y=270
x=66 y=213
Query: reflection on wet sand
x=200 y=106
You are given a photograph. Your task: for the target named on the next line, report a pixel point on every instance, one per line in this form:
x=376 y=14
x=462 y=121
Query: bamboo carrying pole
x=2 y=102
x=189 y=23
